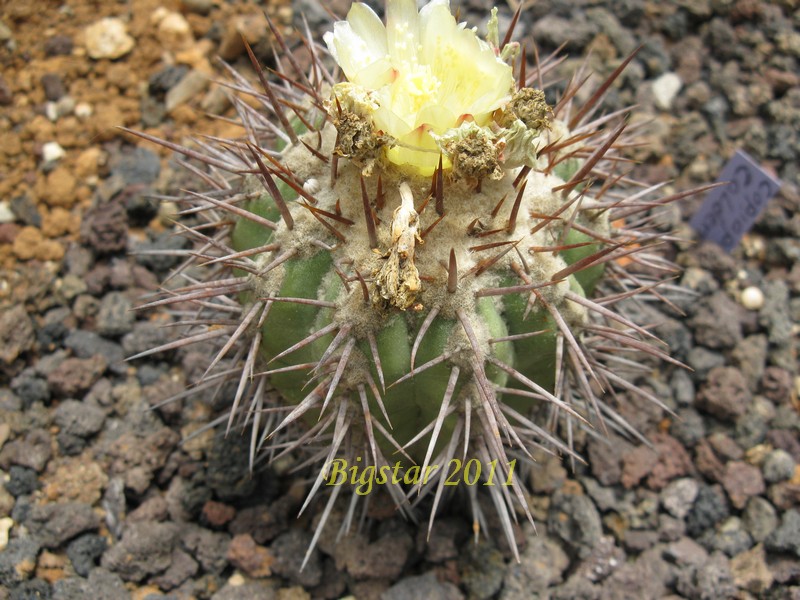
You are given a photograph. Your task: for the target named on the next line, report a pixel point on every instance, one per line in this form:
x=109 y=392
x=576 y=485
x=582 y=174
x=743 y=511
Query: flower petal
x=402 y=31
x=369 y=27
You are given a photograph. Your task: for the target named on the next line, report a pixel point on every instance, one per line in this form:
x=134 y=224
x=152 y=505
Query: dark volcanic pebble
x=145 y=549
x=18 y=560
x=85 y=551
x=54 y=524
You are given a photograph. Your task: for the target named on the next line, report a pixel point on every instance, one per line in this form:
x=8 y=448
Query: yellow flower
x=423 y=73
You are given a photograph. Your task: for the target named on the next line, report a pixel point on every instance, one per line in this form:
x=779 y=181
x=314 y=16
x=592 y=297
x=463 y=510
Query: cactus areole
x=424 y=259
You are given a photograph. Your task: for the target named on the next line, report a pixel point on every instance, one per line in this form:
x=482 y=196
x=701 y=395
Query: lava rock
x=85 y=344
x=33 y=451
x=54 y=524
x=18 y=560
x=709 y=508
x=76 y=375
x=786 y=538
x=717 y=322
x=289 y=550
x=575 y=520
x=80 y=419
x=725 y=395
x=422 y=586
x=542 y=564
x=85 y=551
x=145 y=549
x=105 y=228
x=16 y=333
x=116 y=316
x=21 y=481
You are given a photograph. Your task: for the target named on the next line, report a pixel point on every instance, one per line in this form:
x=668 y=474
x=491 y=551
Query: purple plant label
x=729 y=211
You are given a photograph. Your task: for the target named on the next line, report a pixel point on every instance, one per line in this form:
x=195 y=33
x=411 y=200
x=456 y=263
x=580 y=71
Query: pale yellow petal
x=402 y=31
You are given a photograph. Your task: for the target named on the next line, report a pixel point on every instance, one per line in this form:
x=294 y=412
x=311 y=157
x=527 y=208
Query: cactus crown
x=424 y=260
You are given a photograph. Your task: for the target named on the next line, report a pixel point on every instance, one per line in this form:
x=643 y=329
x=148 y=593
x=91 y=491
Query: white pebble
x=83 y=110
x=6 y=523
x=665 y=88
x=51 y=111
x=108 y=38
x=752 y=298
x=6 y=214
x=52 y=151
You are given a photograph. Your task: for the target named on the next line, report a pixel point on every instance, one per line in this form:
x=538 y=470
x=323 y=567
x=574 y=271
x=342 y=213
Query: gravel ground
x=99 y=497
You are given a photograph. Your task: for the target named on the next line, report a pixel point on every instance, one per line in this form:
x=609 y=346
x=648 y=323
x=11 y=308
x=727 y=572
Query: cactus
x=424 y=259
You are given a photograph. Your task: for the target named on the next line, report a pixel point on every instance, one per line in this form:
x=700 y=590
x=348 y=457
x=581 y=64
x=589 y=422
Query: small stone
x=575 y=520
x=709 y=581
x=752 y=298
x=679 y=496
x=18 y=561
x=786 y=538
x=25 y=210
x=445 y=539
x=742 y=481
x=164 y=80
x=103 y=585
x=116 y=316
x=542 y=564
x=717 y=322
x=191 y=86
x=83 y=110
x=759 y=518
x=58 y=45
x=16 y=333
x=665 y=89
x=86 y=344
x=79 y=418
x=145 y=549
x=240 y=26
x=482 y=570
x=383 y=558
x=59 y=187
x=52 y=151
x=209 y=548
x=709 y=508
x=105 y=227
x=135 y=166
x=53 y=86
x=778 y=466
x=422 y=586
x=85 y=551
x=54 y=524
x=604 y=559
x=21 y=481
x=728 y=537
x=6 y=524
x=643 y=577
x=289 y=550
x=108 y=38
x=725 y=394
x=249 y=557
x=686 y=552
x=174 y=31
x=76 y=375
x=182 y=568
x=32 y=451
x=750 y=570
x=218 y=514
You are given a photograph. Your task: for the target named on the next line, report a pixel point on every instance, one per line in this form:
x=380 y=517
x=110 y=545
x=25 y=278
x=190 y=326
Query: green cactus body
x=373 y=367
x=422 y=271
